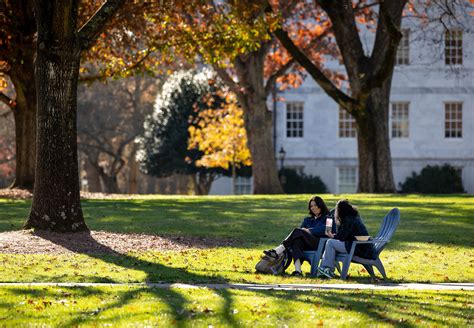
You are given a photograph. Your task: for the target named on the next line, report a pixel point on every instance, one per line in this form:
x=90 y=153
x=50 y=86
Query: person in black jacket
x=307 y=236
x=349 y=225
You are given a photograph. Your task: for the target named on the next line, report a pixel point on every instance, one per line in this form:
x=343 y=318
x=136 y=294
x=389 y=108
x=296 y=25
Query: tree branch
x=91 y=29
x=101 y=77
x=340 y=97
x=386 y=43
x=281 y=71
x=225 y=76
x=8 y=101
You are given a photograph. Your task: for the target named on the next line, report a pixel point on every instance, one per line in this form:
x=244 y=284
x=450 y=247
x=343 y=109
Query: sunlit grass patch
x=123 y=306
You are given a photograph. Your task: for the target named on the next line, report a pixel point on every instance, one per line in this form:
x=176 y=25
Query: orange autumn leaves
x=220 y=135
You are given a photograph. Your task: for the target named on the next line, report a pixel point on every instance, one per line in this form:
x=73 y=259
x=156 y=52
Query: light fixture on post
x=282 y=155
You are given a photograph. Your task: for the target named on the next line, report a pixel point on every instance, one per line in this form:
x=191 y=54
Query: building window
x=243 y=185
x=400 y=119
x=347 y=124
x=347 y=180
x=453 y=120
x=403 y=52
x=453 y=47
x=294 y=120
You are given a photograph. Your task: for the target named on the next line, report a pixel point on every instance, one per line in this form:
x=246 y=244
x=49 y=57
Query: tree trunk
x=133 y=175
x=109 y=181
x=202 y=182
x=22 y=76
x=56 y=200
x=375 y=166
x=92 y=173
x=258 y=123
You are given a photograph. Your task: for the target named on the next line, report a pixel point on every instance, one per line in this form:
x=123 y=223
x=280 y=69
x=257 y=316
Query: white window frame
x=243 y=185
x=338 y=178
x=399 y=120
x=453 y=47
x=294 y=128
x=403 y=51
x=347 y=128
x=452 y=123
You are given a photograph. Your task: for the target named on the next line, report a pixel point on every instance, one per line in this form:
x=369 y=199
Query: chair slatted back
x=389 y=225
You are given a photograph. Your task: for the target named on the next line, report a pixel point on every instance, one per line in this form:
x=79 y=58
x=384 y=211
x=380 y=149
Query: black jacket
x=353 y=226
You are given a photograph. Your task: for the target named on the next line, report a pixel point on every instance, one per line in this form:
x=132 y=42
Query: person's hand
x=330 y=234
x=306 y=229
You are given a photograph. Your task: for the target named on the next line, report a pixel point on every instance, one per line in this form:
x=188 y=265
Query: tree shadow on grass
x=152 y=271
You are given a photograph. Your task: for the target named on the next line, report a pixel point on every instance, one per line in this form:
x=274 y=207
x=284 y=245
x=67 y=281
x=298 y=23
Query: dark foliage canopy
x=434 y=180
x=163 y=148
x=300 y=183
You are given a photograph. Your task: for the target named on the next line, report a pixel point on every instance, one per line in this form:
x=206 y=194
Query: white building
x=431 y=118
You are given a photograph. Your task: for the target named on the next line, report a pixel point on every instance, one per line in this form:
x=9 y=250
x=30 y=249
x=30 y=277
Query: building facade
x=431 y=117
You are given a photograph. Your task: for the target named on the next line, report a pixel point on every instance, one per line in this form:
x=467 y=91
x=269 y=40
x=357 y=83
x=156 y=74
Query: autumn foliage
x=220 y=135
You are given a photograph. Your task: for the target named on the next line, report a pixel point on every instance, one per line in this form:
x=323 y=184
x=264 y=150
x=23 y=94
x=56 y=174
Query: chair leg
x=314 y=265
x=345 y=268
x=338 y=267
x=378 y=264
x=369 y=269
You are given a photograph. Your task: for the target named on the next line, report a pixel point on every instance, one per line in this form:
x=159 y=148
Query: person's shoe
x=325 y=273
x=297 y=274
x=271 y=253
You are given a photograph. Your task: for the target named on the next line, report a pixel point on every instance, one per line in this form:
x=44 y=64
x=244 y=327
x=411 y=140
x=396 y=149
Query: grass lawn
x=122 y=306
x=434 y=243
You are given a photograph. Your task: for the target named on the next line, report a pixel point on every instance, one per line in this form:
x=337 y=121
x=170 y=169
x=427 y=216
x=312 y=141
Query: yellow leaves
x=221 y=136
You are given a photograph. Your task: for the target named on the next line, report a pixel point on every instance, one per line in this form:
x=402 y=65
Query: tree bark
x=375 y=169
x=258 y=122
x=56 y=200
x=22 y=76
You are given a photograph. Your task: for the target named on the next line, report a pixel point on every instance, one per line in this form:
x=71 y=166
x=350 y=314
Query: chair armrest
x=373 y=241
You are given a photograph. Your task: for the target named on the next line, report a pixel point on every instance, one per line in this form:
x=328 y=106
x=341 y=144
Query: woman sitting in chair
x=307 y=236
x=349 y=225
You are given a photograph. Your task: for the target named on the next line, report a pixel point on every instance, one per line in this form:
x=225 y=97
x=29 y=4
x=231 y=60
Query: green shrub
x=434 y=180
x=294 y=183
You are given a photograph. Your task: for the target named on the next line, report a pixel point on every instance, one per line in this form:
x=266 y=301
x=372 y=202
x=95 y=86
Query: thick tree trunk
x=375 y=165
x=22 y=76
x=258 y=123
x=56 y=201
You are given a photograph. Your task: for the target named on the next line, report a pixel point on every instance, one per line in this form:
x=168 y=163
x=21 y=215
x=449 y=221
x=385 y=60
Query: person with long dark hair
x=306 y=237
x=349 y=225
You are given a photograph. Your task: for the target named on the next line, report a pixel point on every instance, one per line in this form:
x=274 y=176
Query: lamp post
x=282 y=155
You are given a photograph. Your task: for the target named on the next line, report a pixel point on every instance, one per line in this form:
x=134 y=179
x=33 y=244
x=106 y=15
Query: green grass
x=125 y=306
x=434 y=237
x=432 y=244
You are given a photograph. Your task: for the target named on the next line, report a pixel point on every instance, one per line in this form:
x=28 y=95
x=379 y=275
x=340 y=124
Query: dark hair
x=319 y=203
x=344 y=209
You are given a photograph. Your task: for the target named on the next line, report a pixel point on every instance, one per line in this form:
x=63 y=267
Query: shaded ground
x=97 y=242
x=25 y=194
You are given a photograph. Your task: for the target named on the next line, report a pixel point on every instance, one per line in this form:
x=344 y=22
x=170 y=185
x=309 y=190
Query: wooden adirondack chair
x=389 y=225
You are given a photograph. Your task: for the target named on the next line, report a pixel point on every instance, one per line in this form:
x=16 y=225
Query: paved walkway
x=380 y=286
